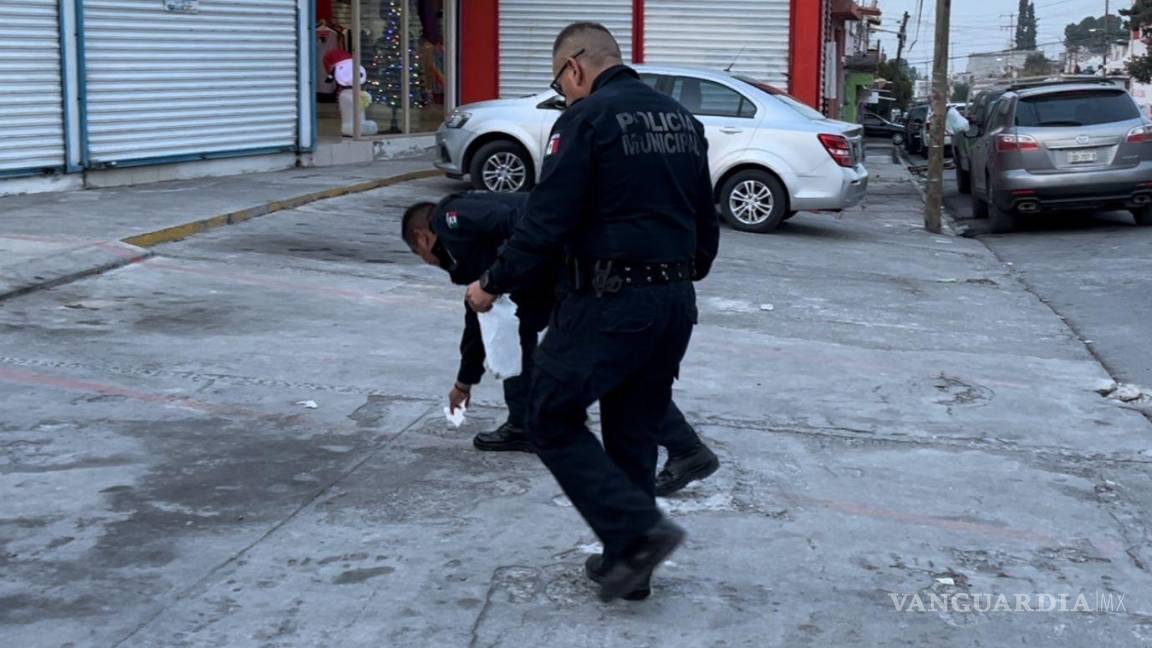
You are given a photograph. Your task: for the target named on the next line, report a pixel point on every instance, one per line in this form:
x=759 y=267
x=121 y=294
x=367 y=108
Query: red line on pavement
x=49 y=239
x=72 y=384
x=960 y=526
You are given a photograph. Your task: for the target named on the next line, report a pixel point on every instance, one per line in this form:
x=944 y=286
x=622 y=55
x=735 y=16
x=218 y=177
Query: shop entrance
x=405 y=52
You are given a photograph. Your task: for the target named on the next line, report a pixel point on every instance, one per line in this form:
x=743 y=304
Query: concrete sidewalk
x=54 y=238
x=899 y=420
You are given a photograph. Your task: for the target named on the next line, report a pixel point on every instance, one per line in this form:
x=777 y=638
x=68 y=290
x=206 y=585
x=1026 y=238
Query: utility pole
x=1107 y=34
x=935 y=205
x=901 y=37
x=1011 y=29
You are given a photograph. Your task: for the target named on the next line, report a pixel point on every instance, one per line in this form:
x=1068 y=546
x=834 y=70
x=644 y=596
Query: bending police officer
x=462 y=234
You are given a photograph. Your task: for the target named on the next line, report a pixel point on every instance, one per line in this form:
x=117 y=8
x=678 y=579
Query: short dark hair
x=578 y=28
x=418 y=216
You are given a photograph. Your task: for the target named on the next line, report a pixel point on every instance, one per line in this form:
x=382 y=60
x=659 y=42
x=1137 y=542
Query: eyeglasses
x=556 y=82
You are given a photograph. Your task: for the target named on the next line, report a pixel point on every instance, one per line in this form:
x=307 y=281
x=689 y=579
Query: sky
x=976 y=26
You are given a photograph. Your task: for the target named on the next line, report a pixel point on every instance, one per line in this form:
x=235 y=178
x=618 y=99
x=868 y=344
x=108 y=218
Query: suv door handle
x=729 y=130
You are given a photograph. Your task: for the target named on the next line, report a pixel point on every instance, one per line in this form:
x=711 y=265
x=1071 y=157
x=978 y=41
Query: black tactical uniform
x=626 y=195
x=470 y=229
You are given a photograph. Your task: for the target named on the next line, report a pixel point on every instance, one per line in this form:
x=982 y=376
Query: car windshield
x=785 y=98
x=1077 y=108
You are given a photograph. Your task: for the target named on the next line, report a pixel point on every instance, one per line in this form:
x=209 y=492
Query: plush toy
x=340 y=65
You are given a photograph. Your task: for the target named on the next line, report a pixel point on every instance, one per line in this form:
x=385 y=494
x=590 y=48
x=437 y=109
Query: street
x=897 y=416
x=1095 y=271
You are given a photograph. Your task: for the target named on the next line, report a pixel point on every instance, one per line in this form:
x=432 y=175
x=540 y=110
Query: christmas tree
x=386 y=68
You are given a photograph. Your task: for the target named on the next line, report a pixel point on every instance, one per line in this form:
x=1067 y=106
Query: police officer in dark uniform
x=626 y=196
x=462 y=235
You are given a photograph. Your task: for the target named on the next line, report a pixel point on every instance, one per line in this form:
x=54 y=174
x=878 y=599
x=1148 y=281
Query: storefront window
x=402 y=46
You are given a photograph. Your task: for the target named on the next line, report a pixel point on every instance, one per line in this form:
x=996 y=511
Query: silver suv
x=1071 y=147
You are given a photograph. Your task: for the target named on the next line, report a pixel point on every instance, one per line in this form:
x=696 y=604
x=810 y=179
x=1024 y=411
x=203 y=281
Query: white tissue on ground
x=455 y=417
x=308 y=404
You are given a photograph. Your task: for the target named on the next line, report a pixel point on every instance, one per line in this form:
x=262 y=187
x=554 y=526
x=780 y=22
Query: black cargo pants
x=624 y=350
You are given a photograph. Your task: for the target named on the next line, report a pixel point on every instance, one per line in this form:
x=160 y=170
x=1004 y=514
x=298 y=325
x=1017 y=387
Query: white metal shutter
x=180 y=85
x=711 y=33
x=529 y=27
x=31 y=101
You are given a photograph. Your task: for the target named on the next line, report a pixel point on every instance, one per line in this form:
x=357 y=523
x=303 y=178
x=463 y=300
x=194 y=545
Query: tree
x=1026 y=28
x=1139 y=20
x=1037 y=64
x=1093 y=34
x=385 y=69
x=901 y=82
x=960 y=91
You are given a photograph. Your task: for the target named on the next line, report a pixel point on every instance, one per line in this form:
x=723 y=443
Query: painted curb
x=183 y=231
x=135 y=248
x=69 y=266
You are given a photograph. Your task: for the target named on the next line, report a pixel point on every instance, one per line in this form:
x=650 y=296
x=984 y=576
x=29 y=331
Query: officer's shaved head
x=600 y=49
x=417 y=218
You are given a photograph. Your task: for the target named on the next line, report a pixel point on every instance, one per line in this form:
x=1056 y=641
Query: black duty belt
x=606 y=276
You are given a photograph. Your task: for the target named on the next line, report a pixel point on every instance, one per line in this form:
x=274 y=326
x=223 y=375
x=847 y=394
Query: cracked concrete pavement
x=907 y=418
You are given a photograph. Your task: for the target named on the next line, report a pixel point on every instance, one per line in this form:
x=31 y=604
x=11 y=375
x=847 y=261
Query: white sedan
x=770 y=155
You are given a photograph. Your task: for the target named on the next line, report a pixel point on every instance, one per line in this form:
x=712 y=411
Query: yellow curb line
x=178 y=232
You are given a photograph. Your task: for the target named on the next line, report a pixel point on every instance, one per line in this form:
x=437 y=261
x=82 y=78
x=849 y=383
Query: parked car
x=876 y=126
x=770 y=155
x=977 y=113
x=914 y=128
x=1039 y=149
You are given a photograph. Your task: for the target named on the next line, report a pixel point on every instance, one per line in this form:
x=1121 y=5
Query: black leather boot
x=680 y=471
x=506 y=438
x=595 y=570
x=632 y=572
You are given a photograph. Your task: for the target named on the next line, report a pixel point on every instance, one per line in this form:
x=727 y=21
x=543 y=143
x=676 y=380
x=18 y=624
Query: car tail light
x=1140 y=135
x=1016 y=144
x=839 y=148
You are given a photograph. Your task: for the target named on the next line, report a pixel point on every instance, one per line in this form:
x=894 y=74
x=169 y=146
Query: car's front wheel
x=502 y=166
x=754 y=201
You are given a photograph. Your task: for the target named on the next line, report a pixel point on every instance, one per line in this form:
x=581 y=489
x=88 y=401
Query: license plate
x=1080 y=157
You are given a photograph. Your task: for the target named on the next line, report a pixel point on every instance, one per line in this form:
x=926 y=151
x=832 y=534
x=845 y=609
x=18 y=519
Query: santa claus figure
x=340 y=67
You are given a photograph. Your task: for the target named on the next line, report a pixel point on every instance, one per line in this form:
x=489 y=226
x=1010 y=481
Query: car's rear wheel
x=754 y=201
x=1000 y=221
x=502 y=166
x=1142 y=216
x=963 y=179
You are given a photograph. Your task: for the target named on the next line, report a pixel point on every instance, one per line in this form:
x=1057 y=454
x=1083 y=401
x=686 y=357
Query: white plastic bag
x=500 y=330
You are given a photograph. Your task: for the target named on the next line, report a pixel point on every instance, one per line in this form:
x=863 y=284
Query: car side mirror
x=555 y=103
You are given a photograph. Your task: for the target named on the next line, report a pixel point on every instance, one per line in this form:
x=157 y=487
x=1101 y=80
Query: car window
x=997 y=115
x=1077 y=108
x=649 y=80
x=871 y=120
x=707 y=98
x=783 y=97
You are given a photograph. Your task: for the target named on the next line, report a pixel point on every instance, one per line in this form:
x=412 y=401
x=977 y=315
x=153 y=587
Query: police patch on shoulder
x=453 y=219
x=553 y=145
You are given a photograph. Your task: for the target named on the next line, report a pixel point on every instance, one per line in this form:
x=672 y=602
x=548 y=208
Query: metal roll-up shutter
x=711 y=33
x=31 y=96
x=165 y=85
x=529 y=27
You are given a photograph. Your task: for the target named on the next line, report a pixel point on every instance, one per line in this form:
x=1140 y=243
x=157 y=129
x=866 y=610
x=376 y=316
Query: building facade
x=90 y=88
